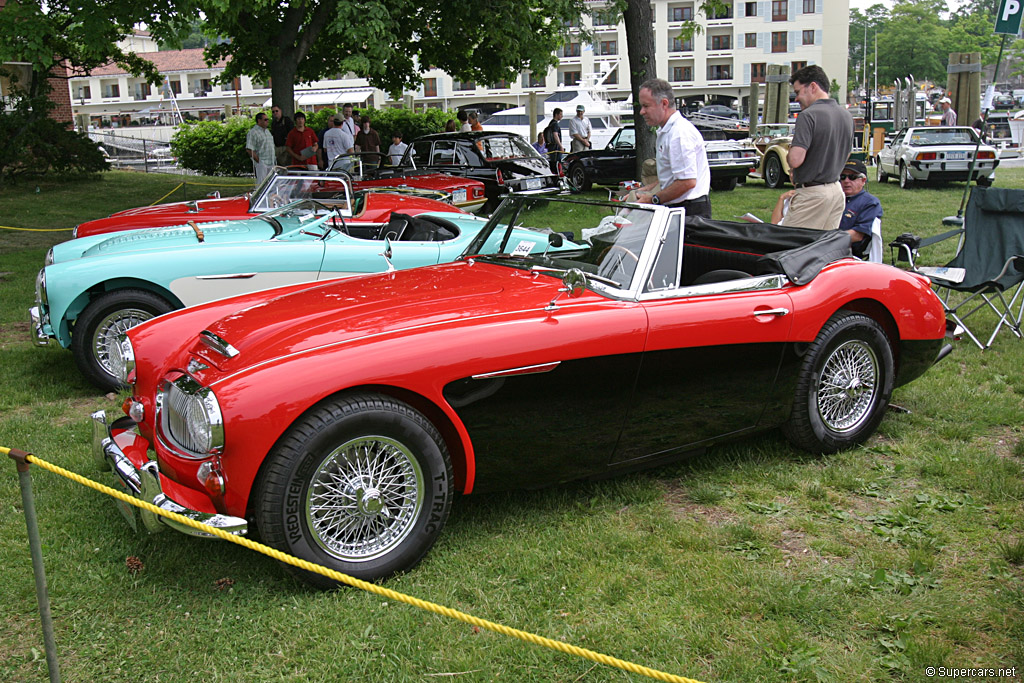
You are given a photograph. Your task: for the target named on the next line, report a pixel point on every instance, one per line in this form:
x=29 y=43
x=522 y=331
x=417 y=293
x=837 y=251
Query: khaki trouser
x=819 y=207
x=283 y=157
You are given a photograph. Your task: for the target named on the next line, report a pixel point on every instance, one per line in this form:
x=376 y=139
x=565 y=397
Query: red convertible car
x=285 y=186
x=340 y=418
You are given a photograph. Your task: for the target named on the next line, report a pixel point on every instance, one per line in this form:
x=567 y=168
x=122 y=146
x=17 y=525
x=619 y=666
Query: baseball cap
x=580 y=107
x=946 y=99
x=855 y=166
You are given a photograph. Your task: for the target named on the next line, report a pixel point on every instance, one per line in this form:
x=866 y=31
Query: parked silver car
x=925 y=153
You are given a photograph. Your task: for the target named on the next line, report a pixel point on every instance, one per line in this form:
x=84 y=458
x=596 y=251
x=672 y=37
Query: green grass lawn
x=754 y=562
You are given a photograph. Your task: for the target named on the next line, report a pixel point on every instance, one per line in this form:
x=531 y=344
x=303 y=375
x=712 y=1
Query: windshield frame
x=259 y=201
x=510 y=210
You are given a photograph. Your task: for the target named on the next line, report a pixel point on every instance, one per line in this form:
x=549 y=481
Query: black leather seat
x=721 y=275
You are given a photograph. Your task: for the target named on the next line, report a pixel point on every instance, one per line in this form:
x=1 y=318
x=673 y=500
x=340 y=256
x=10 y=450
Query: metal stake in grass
x=36 y=549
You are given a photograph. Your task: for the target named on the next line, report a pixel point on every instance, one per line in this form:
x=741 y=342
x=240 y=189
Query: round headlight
x=192 y=417
x=122 y=358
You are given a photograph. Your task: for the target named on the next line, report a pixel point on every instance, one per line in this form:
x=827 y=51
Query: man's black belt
x=814 y=183
x=688 y=203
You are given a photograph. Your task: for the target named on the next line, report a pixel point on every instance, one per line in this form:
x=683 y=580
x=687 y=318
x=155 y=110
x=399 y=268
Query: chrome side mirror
x=575 y=283
x=387 y=254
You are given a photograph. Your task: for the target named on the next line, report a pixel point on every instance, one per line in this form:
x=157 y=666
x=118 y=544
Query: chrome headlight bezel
x=190 y=418
x=41 y=296
x=48 y=261
x=122 y=358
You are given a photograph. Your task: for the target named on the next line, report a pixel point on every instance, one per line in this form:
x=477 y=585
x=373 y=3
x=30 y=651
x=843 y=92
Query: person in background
x=474 y=121
x=280 y=126
x=347 y=121
x=464 y=119
x=579 y=130
x=367 y=140
x=539 y=145
x=860 y=212
x=302 y=144
x=451 y=126
x=337 y=141
x=259 y=144
x=948 y=113
x=322 y=153
x=684 y=175
x=397 y=149
x=553 y=140
x=822 y=141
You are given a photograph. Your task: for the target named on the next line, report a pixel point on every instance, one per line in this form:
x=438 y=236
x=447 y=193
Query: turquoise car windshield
x=599 y=238
x=301 y=215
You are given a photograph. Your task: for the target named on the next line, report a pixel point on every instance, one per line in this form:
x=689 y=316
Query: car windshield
x=504 y=147
x=950 y=136
x=299 y=214
x=533 y=232
x=280 y=189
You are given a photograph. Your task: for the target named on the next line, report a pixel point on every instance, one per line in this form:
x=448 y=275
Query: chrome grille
x=180 y=408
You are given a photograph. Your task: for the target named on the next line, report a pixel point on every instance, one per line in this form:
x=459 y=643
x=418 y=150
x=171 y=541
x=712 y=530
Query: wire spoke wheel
x=364 y=498
x=105 y=344
x=847 y=386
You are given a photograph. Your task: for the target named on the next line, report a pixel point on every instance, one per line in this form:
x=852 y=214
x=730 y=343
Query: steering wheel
x=337 y=223
x=613 y=260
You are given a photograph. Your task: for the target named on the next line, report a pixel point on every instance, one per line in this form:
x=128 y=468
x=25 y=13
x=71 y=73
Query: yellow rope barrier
x=168 y=194
x=364 y=585
x=7 y=227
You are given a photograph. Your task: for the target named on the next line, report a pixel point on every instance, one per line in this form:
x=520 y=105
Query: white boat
x=605 y=116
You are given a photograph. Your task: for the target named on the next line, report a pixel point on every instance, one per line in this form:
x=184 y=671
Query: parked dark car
x=1003 y=102
x=729 y=161
x=719 y=110
x=504 y=162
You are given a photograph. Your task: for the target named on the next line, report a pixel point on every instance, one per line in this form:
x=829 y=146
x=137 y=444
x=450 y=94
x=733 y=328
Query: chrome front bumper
x=143 y=482
x=35 y=317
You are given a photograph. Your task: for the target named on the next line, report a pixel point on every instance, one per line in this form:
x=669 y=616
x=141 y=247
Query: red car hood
x=161 y=215
x=375 y=305
x=377 y=208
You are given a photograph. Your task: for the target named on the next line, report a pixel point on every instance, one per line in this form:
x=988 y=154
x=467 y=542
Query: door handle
x=772 y=311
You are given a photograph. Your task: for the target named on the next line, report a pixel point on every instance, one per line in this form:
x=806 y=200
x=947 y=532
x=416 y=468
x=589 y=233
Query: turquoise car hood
x=162 y=238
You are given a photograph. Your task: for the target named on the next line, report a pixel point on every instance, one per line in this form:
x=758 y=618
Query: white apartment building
x=717 y=65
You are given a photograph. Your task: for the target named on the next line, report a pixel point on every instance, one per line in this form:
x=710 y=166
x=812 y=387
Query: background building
x=716 y=66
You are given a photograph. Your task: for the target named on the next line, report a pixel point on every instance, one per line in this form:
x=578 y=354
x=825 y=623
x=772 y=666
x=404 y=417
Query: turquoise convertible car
x=93 y=289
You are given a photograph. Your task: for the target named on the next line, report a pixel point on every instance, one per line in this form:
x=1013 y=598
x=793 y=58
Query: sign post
x=1009 y=16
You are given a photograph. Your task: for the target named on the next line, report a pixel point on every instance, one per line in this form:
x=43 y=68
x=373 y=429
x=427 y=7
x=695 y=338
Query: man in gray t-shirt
x=822 y=141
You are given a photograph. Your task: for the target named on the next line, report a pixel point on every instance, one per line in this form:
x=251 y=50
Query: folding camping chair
x=989 y=264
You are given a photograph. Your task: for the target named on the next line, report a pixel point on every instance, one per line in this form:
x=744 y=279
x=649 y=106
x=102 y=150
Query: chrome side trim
x=525 y=370
x=144 y=484
x=217 y=344
x=227 y=276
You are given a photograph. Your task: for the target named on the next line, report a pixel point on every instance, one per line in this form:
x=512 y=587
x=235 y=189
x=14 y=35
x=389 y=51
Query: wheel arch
x=877 y=311
x=74 y=309
x=444 y=424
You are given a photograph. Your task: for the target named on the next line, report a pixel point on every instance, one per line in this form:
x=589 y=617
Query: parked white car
x=924 y=153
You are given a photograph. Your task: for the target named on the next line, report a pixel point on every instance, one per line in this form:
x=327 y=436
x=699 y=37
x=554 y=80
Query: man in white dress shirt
x=683 y=171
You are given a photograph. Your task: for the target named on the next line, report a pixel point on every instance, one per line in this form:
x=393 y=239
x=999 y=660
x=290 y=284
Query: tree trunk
x=639 y=20
x=282 y=85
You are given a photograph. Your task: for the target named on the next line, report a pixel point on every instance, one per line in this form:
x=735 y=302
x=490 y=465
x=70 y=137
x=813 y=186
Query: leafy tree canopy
x=386 y=41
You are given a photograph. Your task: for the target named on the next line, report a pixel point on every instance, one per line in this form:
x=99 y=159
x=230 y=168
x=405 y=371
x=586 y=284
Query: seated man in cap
x=579 y=130
x=860 y=212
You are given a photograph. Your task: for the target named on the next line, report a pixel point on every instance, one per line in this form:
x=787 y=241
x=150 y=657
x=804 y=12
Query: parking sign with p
x=1008 y=17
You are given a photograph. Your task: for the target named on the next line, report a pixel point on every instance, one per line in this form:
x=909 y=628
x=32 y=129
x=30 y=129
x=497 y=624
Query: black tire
x=852 y=354
x=906 y=180
x=398 y=457
x=774 y=176
x=578 y=178
x=724 y=184
x=103 y=320
x=880 y=175
x=983 y=181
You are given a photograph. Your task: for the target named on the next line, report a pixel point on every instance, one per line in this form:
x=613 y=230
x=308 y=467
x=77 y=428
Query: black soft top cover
x=799 y=253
